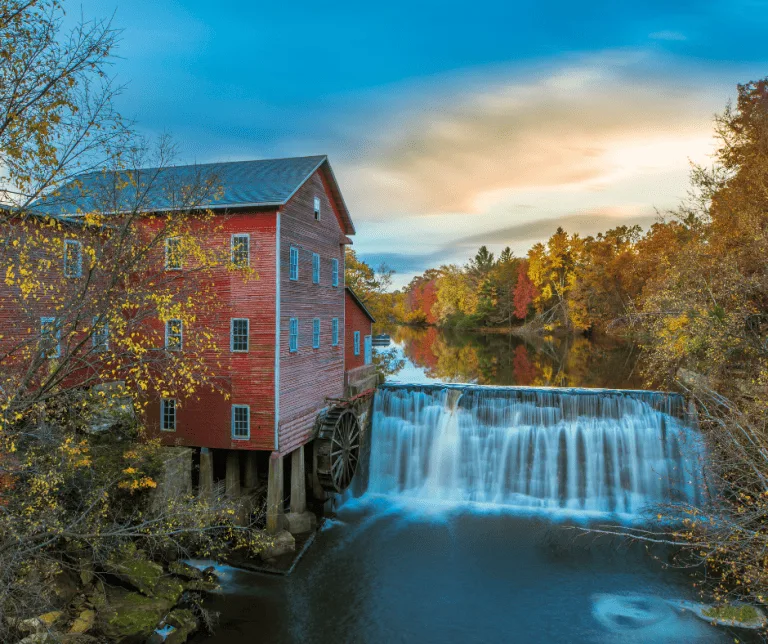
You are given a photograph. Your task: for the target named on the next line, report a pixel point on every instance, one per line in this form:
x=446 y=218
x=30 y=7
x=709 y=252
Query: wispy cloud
x=580 y=124
x=587 y=223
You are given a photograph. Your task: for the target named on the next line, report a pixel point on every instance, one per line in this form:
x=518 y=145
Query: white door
x=368 y=349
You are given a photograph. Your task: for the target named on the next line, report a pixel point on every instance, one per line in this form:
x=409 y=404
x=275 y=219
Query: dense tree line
x=568 y=283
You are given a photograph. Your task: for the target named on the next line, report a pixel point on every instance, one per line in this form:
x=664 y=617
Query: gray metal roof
x=266 y=182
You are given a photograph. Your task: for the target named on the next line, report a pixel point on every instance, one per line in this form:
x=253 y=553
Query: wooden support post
x=298 y=482
x=298 y=520
x=251 y=475
x=233 y=473
x=275 y=494
x=205 y=483
x=317 y=490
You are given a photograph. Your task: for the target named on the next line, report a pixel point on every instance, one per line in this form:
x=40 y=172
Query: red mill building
x=283 y=348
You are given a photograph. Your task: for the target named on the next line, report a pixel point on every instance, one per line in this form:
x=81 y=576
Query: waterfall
x=573 y=450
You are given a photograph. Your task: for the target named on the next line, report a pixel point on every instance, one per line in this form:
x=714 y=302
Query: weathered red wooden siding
x=205 y=420
x=309 y=376
x=20 y=324
x=356 y=320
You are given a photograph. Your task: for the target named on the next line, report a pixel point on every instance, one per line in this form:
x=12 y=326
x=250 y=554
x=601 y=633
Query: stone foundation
x=176 y=478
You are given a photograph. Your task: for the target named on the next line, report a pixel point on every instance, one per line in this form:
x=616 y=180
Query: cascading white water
x=595 y=451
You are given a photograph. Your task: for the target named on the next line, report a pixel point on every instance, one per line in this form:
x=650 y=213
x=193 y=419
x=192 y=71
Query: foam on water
x=562 y=452
x=633 y=618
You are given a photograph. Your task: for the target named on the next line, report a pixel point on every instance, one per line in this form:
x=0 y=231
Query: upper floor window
x=238 y=340
x=315 y=268
x=294 y=272
x=316 y=333
x=73 y=258
x=174 y=340
x=173 y=254
x=241 y=422
x=168 y=415
x=317 y=208
x=335 y=332
x=334 y=272
x=241 y=250
x=357 y=343
x=50 y=334
x=293 y=335
x=100 y=335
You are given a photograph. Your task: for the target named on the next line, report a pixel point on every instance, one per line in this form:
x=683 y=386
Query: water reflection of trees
x=388 y=361
x=503 y=359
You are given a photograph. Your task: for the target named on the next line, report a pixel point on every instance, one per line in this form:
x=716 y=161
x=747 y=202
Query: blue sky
x=448 y=124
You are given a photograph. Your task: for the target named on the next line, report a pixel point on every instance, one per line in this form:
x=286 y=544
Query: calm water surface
x=431 y=355
x=388 y=570
x=381 y=574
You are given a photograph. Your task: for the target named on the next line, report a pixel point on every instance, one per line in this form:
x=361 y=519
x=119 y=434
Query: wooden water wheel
x=338 y=449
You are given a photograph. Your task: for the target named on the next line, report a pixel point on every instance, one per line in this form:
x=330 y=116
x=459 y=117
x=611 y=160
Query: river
x=441 y=547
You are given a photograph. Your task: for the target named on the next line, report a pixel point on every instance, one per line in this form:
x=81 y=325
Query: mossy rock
x=737 y=615
x=134 y=569
x=201 y=586
x=40 y=624
x=169 y=589
x=131 y=617
x=184 y=623
x=184 y=570
x=84 y=622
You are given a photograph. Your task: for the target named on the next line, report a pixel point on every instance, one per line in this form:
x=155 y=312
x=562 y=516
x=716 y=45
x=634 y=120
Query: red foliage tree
x=422 y=297
x=525 y=292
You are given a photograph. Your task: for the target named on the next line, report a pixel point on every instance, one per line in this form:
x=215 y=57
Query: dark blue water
x=382 y=574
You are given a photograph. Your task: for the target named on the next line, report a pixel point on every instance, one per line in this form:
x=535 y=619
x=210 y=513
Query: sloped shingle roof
x=266 y=182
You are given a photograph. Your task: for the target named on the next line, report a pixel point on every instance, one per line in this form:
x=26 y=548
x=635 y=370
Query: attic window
x=317 y=208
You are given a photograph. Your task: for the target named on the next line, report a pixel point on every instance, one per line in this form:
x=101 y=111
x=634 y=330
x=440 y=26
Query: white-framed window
x=315 y=268
x=241 y=250
x=238 y=334
x=173 y=254
x=357 y=343
x=73 y=258
x=293 y=335
x=50 y=334
x=316 y=333
x=317 y=208
x=294 y=272
x=335 y=332
x=168 y=415
x=334 y=272
x=174 y=335
x=100 y=335
x=241 y=422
